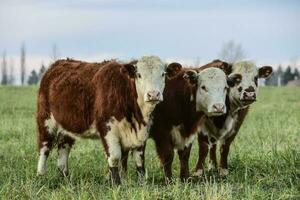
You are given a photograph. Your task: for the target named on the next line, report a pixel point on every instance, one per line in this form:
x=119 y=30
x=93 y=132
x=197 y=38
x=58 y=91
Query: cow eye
x=204 y=88
x=138 y=75
x=163 y=74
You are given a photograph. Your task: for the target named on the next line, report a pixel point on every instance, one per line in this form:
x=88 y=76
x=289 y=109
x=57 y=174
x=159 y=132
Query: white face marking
x=212 y=84
x=249 y=72
x=63 y=156
x=41 y=168
x=137 y=155
x=151 y=81
x=180 y=142
x=126 y=134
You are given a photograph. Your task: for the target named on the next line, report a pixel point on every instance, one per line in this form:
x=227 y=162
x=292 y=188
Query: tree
x=4 y=79
x=42 y=71
x=231 y=52
x=287 y=75
x=197 y=62
x=33 y=79
x=55 y=53
x=296 y=74
x=11 y=77
x=279 y=76
x=23 y=59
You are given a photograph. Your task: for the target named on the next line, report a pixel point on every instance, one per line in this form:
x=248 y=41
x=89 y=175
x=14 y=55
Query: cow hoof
x=223 y=172
x=114 y=176
x=212 y=167
x=198 y=173
x=41 y=173
x=63 y=173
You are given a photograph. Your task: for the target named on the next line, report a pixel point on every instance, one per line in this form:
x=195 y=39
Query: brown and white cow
x=223 y=129
x=188 y=97
x=108 y=100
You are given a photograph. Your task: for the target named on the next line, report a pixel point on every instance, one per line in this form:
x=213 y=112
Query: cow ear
x=173 y=69
x=234 y=79
x=191 y=76
x=265 y=71
x=130 y=69
x=226 y=67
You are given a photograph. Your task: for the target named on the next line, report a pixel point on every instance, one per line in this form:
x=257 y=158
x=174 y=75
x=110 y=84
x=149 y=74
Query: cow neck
x=234 y=107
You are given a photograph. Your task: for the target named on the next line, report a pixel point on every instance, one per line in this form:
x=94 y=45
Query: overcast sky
x=269 y=30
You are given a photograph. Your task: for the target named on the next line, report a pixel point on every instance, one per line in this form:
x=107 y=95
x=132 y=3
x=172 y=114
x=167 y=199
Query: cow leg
x=213 y=158
x=64 y=147
x=166 y=155
x=113 y=151
x=139 y=157
x=203 y=151
x=224 y=150
x=124 y=160
x=184 y=156
x=46 y=138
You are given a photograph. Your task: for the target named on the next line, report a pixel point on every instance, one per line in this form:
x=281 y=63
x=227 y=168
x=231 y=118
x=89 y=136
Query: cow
x=188 y=97
x=223 y=129
x=109 y=101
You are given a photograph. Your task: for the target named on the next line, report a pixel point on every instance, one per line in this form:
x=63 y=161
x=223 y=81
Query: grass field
x=264 y=159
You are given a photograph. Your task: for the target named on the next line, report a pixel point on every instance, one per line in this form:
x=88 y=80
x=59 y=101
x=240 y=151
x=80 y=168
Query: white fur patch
x=151 y=69
x=137 y=155
x=41 y=168
x=126 y=135
x=180 y=142
x=214 y=81
x=220 y=134
x=54 y=127
x=114 y=147
x=249 y=71
x=63 y=156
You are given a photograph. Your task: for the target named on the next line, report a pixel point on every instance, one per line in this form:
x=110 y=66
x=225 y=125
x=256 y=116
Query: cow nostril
x=250 y=89
x=158 y=94
x=218 y=107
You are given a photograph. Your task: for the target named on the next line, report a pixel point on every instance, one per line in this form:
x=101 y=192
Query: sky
x=93 y=30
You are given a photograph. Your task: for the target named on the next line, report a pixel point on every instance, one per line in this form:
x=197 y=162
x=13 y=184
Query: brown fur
x=78 y=93
x=176 y=109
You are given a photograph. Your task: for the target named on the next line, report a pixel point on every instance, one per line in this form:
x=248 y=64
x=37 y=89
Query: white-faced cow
x=188 y=97
x=109 y=101
x=223 y=129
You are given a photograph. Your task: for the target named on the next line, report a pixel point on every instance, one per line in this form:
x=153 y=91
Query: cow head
x=151 y=74
x=211 y=89
x=245 y=92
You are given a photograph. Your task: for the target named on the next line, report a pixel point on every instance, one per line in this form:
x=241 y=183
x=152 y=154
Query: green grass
x=264 y=159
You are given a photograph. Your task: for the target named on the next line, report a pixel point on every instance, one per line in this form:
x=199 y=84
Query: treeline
x=9 y=75
x=281 y=77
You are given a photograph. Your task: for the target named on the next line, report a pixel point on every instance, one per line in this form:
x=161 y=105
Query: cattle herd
x=124 y=104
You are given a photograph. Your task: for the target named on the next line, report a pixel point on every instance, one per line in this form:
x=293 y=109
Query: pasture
x=264 y=162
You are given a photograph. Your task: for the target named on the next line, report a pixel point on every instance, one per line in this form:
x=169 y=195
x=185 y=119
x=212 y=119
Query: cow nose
x=218 y=107
x=249 y=96
x=153 y=96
